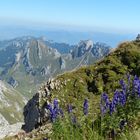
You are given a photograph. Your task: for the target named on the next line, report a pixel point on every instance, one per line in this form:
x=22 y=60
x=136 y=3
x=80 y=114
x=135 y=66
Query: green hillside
x=103 y=76
x=11 y=104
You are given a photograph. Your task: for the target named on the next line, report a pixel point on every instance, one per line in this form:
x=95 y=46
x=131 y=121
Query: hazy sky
x=107 y=15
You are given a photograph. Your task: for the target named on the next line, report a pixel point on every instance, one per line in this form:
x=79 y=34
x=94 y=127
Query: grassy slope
x=12 y=105
x=91 y=81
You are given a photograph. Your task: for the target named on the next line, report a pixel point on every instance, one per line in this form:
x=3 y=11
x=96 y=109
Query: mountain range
x=26 y=62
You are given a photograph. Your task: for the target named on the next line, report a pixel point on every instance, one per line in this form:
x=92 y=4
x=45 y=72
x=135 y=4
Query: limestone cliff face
x=31 y=113
x=35 y=112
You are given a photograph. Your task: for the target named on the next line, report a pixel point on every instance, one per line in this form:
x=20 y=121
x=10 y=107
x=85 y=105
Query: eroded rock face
x=138 y=37
x=35 y=111
x=82 y=48
x=26 y=61
x=46 y=70
x=62 y=63
x=31 y=114
x=100 y=50
x=87 y=46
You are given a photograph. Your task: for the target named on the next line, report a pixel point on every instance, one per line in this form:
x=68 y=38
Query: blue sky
x=105 y=15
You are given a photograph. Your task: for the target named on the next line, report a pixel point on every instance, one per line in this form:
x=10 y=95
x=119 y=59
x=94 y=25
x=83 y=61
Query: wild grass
x=118 y=118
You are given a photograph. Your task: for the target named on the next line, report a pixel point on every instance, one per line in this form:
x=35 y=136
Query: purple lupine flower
x=138 y=90
x=56 y=106
x=123 y=85
x=137 y=82
x=53 y=116
x=136 y=86
x=122 y=97
x=105 y=99
x=85 y=107
x=116 y=99
x=105 y=103
x=111 y=108
x=74 y=120
x=54 y=110
x=102 y=109
x=119 y=98
x=49 y=107
x=136 y=78
x=69 y=108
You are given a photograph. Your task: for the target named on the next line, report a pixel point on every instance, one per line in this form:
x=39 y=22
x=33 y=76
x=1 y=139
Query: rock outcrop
x=82 y=48
x=62 y=63
x=138 y=37
x=96 y=49
x=31 y=114
x=46 y=70
x=35 y=112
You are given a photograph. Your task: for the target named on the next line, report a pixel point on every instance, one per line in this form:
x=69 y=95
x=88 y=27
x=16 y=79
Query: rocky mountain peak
x=87 y=44
x=138 y=37
x=35 y=112
x=83 y=47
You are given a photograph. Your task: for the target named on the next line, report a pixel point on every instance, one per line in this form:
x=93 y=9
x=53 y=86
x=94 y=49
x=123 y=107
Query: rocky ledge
x=35 y=112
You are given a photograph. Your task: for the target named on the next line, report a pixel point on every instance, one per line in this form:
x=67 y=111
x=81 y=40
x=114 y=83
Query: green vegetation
x=11 y=104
